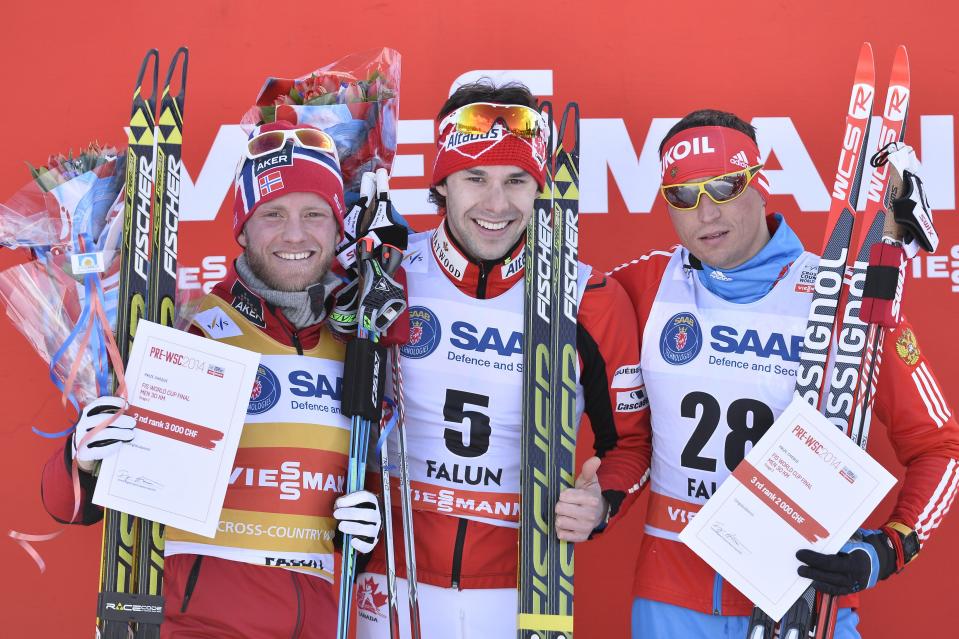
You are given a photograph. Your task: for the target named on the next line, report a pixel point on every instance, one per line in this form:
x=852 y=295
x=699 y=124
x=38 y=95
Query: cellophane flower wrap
x=355 y=100
x=70 y=218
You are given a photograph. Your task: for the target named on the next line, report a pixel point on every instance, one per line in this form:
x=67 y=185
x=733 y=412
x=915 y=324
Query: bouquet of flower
x=70 y=217
x=355 y=100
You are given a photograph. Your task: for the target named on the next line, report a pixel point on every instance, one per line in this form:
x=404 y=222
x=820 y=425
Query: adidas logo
x=716 y=275
x=740 y=159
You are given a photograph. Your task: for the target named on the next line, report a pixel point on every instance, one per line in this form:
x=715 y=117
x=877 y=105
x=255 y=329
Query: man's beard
x=261 y=270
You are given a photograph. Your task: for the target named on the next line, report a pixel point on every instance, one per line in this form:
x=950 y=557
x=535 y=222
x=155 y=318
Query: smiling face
x=723 y=235
x=289 y=241
x=488 y=207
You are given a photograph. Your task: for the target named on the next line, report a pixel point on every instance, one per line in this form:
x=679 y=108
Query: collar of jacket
x=477 y=278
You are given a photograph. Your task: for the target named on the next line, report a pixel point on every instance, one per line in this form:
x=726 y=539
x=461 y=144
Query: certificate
x=189 y=396
x=804 y=485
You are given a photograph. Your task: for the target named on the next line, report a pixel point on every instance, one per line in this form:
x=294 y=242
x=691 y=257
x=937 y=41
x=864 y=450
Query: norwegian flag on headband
x=270 y=182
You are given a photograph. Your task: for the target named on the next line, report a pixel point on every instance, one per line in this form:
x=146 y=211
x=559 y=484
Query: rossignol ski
x=549 y=389
x=823 y=310
x=131 y=571
x=876 y=275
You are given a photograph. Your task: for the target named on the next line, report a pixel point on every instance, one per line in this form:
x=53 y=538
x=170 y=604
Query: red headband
x=708 y=151
x=458 y=151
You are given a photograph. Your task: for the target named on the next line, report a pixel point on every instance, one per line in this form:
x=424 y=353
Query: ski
x=117 y=576
x=131 y=574
x=860 y=337
x=549 y=389
x=162 y=295
x=823 y=310
x=535 y=515
x=565 y=308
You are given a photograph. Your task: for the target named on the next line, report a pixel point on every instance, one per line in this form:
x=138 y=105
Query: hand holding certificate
x=189 y=397
x=804 y=485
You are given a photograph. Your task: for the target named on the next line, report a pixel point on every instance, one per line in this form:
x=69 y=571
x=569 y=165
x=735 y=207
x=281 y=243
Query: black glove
x=866 y=559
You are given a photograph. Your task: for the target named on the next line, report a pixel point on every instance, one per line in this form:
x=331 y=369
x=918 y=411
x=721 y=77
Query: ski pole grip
x=880 y=305
x=364 y=378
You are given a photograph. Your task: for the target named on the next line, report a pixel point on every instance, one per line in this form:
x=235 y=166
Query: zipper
x=299 y=606
x=481 y=282
x=191 y=582
x=458 y=554
x=295 y=336
x=718 y=595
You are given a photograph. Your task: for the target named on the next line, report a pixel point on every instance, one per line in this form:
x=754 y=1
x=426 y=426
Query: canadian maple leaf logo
x=369 y=597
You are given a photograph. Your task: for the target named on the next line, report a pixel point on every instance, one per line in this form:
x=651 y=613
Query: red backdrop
x=68 y=76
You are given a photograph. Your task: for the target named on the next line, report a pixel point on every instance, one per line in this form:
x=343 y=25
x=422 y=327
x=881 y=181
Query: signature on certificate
x=729 y=538
x=140 y=481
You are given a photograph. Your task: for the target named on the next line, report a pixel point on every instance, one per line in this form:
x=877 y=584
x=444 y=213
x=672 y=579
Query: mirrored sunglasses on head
x=720 y=189
x=272 y=141
x=479 y=118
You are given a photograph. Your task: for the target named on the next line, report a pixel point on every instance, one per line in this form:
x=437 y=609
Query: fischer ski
x=119 y=529
x=549 y=389
x=824 y=307
x=131 y=573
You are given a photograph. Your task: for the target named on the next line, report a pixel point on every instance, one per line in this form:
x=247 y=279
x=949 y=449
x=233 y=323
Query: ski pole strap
x=382 y=298
x=385 y=433
x=883 y=278
x=364 y=379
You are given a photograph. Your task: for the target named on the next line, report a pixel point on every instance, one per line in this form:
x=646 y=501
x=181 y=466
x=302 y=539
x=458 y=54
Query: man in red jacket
x=462 y=374
x=730 y=302
x=269 y=570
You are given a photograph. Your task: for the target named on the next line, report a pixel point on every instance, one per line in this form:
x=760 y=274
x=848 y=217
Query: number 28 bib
x=717 y=375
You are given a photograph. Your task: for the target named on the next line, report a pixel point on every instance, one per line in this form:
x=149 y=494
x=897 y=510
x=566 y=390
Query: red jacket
x=209 y=596
x=920 y=425
x=462 y=553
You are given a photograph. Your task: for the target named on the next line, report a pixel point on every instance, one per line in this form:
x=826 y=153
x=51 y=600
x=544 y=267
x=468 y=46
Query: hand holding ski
x=581 y=509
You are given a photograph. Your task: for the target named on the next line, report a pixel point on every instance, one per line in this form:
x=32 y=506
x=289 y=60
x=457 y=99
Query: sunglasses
x=480 y=117
x=271 y=141
x=719 y=189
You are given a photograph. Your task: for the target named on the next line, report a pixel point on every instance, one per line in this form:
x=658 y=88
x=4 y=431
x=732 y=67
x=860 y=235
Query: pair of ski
x=871 y=304
x=549 y=388
x=131 y=569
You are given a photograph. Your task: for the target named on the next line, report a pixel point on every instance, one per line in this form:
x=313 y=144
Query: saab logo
x=860 y=104
x=289 y=478
x=425 y=333
x=684 y=148
x=304 y=384
x=269 y=183
x=491 y=340
x=628 y=377
x=897 y=101
x=265 y=393
x=369 y=598
x=681 y=339
x=727 y=340
x=908 y=348
x=283 y=157
x=631 y=401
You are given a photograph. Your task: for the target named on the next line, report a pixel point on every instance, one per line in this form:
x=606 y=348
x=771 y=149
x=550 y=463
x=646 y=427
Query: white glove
x=909 y=203
x=358 y=515
x=106 y=442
